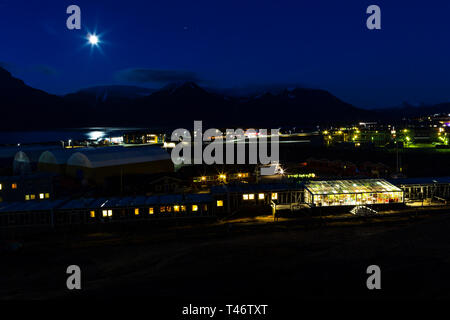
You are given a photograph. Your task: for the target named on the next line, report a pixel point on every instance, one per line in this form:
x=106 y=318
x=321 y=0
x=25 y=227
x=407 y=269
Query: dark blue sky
x=321 y=43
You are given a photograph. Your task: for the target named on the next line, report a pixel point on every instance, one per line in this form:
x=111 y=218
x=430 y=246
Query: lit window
x=105 y=213
x=169 y=209
x=251 y=196
x=205 y=207
x=162 y=209
x=92 y=214
x=109 y=213
x=274 y=196
x=150 y=210
x=27 y=197
x=0 y=186
x=194 y=207
x=41 y=196
x=32 y=196
x=136 y=211
x=14 y=186
x=183 y=208
x=261 y=196
x=220 y=203
x=176 y=208
x=47 y=195
x=245 y=196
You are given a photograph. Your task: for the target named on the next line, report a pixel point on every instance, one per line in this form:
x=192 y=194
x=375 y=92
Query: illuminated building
x=221 y=178
x=143 y=137
x=38 y=187
x=222 y=200
x=351 y=192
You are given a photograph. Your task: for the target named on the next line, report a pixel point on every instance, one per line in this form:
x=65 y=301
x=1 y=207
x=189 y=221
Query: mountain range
x=178 y=105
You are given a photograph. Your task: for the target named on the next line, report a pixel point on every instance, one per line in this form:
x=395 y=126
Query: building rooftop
x=98 y=203
x=30 y=205
x=113 y=156
x=59 y=156
x=36 y=175
x=244 y=187
x=427 y=180
x=350 y=186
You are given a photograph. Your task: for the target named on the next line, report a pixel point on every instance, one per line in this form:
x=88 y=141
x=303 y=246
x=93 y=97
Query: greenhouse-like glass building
x=351 y=192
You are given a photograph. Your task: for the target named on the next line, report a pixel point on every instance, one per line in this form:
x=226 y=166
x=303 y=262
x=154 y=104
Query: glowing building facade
x=351 y=192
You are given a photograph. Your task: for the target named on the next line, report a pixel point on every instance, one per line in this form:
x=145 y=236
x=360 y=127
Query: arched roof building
x=55 y=160
x=115 y=156
x=96 y=164
x=25 y=159
x=21 y=164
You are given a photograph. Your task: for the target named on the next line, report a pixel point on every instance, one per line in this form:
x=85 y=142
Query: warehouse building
x=143 y=137
x=19 y=160
x=101 y=210
x=98 y=164
x=232 y=198
x=418 y=189
x=337 y=196
x=55 y=160
x=32 y=187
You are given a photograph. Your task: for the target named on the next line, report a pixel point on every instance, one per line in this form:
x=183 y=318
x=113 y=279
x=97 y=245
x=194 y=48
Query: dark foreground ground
x=250 y=263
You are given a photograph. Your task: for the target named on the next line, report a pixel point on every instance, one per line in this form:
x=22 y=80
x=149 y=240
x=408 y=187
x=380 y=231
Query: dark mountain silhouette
x=187 y=102
x=24 y=107
x=178 y=105
x=302 y=106
x=250 y=91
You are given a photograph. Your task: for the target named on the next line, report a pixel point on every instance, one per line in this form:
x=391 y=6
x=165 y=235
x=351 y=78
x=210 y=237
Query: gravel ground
x=262 y=260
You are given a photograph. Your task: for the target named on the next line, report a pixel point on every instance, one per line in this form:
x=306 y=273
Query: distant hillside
x=409 y=111
x=303 y=106
x=24 y=107
x=101 y=94
x=188 y=102
x=178 y=105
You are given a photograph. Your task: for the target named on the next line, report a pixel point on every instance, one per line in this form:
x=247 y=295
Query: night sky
x=322 y=44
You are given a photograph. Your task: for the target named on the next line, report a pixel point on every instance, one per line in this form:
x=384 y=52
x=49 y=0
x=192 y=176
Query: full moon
x=93 y=39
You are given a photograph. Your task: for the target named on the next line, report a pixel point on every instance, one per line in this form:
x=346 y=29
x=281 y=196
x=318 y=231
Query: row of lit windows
x=137 y=211
x=33 y=196
x=169 y=209
x=13 y=186
x=221 y=177
x=261 y=196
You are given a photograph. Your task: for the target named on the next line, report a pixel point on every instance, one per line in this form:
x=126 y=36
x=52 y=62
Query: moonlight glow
x=93 y=39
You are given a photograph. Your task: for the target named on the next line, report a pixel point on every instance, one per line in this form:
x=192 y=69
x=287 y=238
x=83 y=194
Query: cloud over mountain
x=36 y=68
x=140 y=75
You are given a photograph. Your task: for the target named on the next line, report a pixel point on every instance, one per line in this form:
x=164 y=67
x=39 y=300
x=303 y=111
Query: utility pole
x=121 y=181
x=396 y=143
